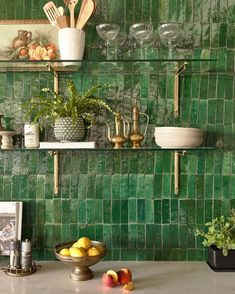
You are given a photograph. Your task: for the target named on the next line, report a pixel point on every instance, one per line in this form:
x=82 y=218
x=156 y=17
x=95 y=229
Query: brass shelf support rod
x=55 y=154
x=179 y=70
x=177 y=155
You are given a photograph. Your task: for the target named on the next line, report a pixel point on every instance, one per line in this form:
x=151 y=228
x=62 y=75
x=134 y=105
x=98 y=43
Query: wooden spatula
x=62 y=21
x=51 y=12
x=87 y=9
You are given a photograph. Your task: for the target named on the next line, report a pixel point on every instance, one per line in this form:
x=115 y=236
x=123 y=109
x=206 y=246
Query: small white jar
x=31 y=135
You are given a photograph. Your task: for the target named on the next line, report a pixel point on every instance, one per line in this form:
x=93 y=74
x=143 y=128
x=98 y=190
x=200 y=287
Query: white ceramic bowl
x=179 y=131
x=178 y=137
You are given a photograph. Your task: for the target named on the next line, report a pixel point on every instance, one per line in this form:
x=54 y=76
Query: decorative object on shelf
x=220 y=240
x=31 y=135
x=67 y=145
x=178 y=137
x=71 y=39
x=71 y=45
x=30 y=40
x=7 y=141
x=79 y=107
x=142 y=32
x=170 y=35
x=122 y=127
x=81 y=270
x=1 y=126
x=65 y=131
x=136 y=137
x=108 y=32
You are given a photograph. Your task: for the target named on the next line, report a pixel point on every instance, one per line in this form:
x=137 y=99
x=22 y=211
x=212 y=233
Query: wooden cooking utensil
x=71 y=6
x=87 y=9
x=61 y=10
x=51 y=12
x=62 y=21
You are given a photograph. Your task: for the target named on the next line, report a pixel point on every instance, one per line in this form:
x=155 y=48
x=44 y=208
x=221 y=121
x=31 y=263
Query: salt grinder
x=14 y=254
x=26 y=255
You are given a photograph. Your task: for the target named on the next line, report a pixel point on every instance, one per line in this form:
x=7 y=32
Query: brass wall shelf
x=177 y=68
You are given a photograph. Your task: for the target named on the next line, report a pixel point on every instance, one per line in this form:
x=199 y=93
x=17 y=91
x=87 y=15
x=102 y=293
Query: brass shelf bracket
x=177 y=155
x=179 y=70
x=55 y=154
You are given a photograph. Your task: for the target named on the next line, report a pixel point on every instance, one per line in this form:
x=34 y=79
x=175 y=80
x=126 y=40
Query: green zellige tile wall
x=126 y=199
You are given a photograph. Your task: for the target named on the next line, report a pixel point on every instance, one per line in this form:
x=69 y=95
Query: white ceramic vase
x=71 y=44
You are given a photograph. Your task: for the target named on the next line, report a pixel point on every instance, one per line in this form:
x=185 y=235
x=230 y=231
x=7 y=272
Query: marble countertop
x=148 y=277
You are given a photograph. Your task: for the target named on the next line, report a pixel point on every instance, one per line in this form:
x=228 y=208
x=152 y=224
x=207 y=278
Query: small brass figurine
x=121 y=131
x=136 y=137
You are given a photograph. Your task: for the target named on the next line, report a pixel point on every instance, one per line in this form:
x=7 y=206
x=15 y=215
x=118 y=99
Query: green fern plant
x=50 y=106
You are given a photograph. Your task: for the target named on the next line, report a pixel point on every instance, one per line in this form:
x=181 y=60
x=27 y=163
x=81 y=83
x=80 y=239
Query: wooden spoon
x=87 y=9
x=71 y=6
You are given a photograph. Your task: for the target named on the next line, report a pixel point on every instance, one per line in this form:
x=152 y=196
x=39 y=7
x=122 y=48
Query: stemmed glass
x=142 y=32
x=108 y=32
x=170 y=35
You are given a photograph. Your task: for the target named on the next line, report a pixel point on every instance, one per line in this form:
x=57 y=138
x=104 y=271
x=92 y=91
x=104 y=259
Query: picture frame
x=23 y=40
x=10 y=224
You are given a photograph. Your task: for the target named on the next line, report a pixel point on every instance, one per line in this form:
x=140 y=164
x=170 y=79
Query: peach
x=113 y=274
x=124 y=276
x=108 y=281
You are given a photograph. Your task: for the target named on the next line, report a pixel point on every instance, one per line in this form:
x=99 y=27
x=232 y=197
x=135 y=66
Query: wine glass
x=142 y=32
x=108 y=32
x=170 y=34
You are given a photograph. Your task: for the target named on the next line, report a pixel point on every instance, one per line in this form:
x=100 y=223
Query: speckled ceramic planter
x=65 y=131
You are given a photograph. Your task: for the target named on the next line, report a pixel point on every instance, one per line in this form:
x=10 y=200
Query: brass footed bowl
x=81 y=270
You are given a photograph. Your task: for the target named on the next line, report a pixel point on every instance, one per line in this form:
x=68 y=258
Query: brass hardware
x=178 y=72
x=122 y=127
x=20 y=272
x=176 y=170
x=55 y=154
x=136 y=137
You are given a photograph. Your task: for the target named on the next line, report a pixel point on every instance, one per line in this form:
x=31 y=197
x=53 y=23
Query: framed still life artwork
x=10 y=224
x=28 y=40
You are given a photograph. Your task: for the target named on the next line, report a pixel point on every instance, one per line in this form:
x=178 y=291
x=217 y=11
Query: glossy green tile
x=126 y=199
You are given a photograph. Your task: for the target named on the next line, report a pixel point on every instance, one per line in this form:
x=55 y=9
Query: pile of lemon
x=83 y=247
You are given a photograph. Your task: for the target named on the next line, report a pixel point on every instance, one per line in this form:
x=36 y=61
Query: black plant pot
x=218 y=262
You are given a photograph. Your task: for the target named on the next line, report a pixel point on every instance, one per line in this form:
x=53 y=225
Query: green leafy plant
x=220 y=233
x=50 y=106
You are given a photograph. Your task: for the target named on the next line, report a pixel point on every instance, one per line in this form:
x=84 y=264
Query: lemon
x=93 y=251
x=77 y=252
x=65 y=252
x=84 y=243
x=76 y=245
x=100 y=248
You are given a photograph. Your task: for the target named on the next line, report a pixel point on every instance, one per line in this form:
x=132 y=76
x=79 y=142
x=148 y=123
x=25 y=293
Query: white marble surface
x=148 y=277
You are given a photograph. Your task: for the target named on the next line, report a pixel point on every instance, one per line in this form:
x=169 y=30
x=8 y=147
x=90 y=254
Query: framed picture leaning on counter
x=10 y=224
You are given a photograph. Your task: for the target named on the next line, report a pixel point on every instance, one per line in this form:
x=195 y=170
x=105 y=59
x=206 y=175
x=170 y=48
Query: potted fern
x=219 y=237
x=68 y=114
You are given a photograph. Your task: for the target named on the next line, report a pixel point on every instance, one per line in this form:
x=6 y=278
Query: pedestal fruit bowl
x=80 y=265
